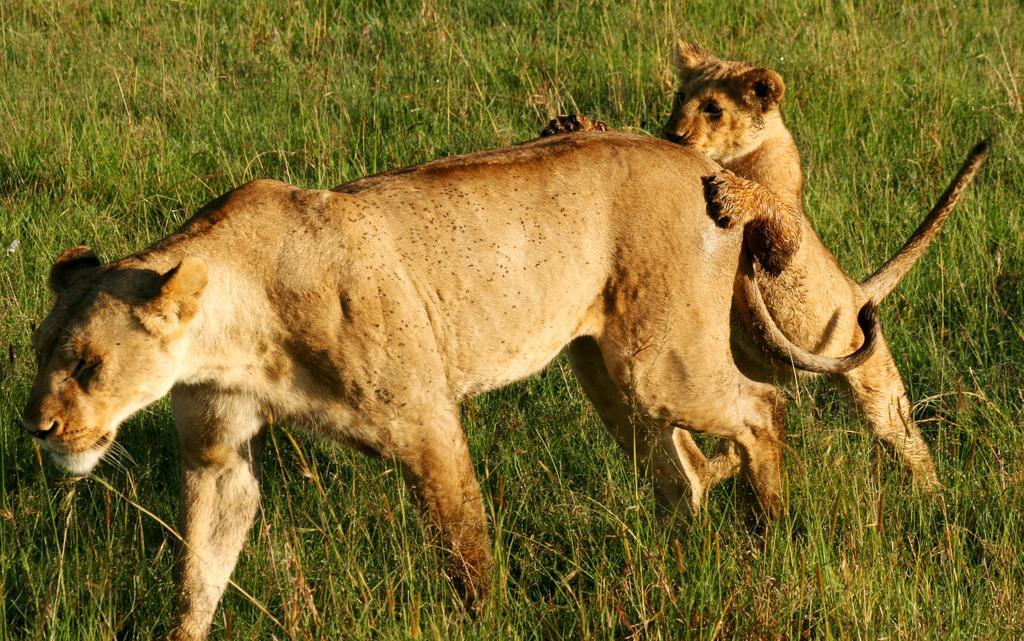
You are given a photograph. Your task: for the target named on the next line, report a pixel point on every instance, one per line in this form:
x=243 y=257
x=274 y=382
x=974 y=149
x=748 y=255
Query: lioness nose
x=43 y=428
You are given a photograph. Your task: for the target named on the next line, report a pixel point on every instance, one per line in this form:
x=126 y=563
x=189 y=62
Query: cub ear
x=71 y=265
x=687 y=56
x=178 y=299
x=763 y=86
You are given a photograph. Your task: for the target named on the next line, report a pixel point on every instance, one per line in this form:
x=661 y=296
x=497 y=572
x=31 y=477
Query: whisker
x=110 y=459
x=117 y=462
x=118 y=457
x=122 y=452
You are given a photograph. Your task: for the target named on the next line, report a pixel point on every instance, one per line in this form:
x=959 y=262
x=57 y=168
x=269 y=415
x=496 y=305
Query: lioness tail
x=772 y=338
x=885 y=279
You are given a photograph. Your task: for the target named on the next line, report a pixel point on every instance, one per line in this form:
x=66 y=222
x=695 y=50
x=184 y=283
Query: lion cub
x=731 y=111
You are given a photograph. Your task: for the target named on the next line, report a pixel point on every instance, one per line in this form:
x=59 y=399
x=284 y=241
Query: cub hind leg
x=877 y=390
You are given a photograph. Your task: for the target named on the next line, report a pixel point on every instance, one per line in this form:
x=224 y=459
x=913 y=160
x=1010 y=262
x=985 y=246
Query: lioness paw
x=725 y=193
x=571 y=123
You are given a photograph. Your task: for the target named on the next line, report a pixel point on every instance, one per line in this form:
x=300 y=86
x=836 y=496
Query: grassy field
x=117 y=120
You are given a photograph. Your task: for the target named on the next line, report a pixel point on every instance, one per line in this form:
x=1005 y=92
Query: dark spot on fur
x=356 y=394
x=346 y=306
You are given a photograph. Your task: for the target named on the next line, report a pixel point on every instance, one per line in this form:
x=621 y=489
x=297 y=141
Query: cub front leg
x=773 y=228
x=571 y=123
x=219 y=436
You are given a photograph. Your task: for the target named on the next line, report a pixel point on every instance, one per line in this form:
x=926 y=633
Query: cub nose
x=678 y=138
x=44 y=427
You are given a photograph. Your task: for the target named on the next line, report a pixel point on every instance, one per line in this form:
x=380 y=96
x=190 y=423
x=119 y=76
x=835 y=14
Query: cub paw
x=724 y=194
x=571 y=123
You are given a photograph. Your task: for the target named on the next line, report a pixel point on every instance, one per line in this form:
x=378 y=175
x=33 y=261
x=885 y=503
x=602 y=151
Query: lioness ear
x=687 y=56
x=70 y=265
x=764 y=86
x=178 y=300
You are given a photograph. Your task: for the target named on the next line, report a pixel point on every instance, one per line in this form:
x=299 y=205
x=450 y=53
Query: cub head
x=726 y=109
x=112 y=344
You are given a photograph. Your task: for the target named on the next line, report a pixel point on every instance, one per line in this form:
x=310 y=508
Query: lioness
x=367 y=313
x=731 y=111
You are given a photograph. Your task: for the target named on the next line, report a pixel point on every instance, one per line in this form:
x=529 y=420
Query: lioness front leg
x=773 y=228
x=438 y=469
x=219 y=436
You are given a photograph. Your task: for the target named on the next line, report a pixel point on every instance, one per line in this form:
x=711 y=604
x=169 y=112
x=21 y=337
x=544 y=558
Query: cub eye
x=712 y=110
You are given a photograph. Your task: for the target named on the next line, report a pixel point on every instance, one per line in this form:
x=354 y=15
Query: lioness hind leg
x=676 y=470
x=437 y=467
x=753 y=420
x=773 y=228
x=219 y=436
x=878 y=391
x=761 y=449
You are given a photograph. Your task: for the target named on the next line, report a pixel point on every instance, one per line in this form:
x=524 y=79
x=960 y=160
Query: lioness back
x=487 y=236
x=482 y=243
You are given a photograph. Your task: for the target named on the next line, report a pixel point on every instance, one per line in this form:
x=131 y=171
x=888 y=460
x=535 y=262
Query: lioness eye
x=84 y=369
x=712 y=110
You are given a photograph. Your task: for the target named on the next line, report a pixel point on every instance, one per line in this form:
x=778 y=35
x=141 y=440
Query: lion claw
x=571 y=123
x=724 y=206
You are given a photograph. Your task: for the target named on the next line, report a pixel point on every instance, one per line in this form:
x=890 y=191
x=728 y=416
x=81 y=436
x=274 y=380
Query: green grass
x=117 y=121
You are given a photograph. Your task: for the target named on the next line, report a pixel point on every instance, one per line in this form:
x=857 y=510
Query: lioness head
x=723 y=108
x=111 y=345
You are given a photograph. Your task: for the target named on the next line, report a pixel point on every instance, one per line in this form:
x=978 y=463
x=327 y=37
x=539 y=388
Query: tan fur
x=367 y=313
